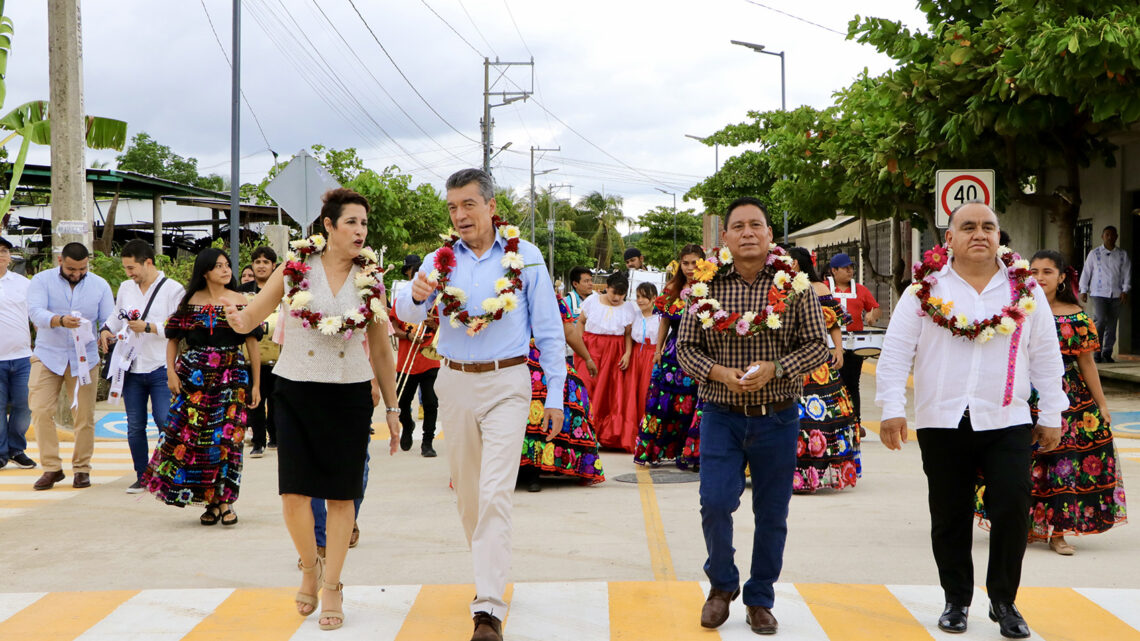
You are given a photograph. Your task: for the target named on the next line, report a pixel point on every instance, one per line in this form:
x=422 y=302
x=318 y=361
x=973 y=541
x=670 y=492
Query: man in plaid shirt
x=749 y=420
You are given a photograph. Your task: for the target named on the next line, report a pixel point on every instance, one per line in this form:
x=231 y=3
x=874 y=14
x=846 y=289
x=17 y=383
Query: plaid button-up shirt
x=800 y=345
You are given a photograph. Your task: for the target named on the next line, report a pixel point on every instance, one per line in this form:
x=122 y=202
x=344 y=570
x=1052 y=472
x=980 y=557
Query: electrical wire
x=453 y=29
x=231 y=66
x=804 y=20
x=472 y=21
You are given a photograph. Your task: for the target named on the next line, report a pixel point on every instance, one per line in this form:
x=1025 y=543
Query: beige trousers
x=44 y=388
x=485 y=417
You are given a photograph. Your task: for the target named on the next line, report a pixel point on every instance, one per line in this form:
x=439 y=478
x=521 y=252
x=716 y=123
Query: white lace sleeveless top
x=307 y=354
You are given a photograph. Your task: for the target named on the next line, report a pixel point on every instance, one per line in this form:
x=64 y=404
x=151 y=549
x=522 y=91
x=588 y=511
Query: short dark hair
x=266 y=252
x=618 y=282
x=1108 y=227
x=140 y=250
x=75 y=251
x=4 y=242
x=334 y=201
x=647 y=289
x=740 y=202
x=465 y=177
x=577 y=272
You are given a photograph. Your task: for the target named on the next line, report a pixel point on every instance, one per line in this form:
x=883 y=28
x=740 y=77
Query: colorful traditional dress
x=574 y=451
x=671 y=402
x=198 y=459
x=827 y=450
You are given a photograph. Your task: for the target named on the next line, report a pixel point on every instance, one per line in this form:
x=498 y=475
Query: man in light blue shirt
x=484 y=386
x=67 y=305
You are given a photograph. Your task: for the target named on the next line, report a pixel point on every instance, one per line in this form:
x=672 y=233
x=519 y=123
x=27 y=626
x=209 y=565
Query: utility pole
x=783 y=98
x=71 y=218
x=674 y=195
x=486 y=124
x=235 y=144
x=532 y=175
x=550 y=226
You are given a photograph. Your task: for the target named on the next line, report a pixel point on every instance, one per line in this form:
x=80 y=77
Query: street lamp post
x=783 y=97
x=674 y=195
x=716 y=148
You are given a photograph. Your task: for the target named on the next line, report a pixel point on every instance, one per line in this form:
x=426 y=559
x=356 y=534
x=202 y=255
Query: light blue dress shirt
x=50 y=294
x=537 y=313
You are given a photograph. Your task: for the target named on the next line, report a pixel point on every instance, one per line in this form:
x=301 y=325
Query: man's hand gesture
x=422 y=287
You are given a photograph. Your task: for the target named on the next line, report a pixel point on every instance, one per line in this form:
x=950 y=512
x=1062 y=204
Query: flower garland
x=942 y=313
x=368 y=283
x=454 y=299
x=786 y=285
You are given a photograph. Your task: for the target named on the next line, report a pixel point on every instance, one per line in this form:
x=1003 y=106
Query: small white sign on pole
x=956 y=187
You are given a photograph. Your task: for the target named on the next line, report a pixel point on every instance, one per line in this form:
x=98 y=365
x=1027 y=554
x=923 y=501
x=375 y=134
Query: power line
x=453 y=29
x=517 y=30
x=472 y=21
x=230 y=65
x=403 y=75
x=814 y=24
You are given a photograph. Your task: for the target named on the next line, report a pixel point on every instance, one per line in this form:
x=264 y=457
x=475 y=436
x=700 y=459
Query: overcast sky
x=630 y=78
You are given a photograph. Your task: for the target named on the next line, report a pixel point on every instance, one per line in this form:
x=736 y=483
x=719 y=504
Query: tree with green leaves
x=657 y=241
x=145 y=155
x=598 y=217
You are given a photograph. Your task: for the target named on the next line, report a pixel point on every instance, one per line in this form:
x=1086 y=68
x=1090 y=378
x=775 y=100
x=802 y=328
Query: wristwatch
x=392 y=410
x=779 y=369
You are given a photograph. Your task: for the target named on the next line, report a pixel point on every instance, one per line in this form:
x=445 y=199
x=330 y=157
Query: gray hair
x=465 y=177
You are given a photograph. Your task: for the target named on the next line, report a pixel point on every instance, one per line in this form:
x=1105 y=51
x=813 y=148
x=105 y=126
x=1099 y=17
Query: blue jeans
x=1106 y=312
x=767 y=444
x=137 y=390
x=320 y=513
x=15 y=416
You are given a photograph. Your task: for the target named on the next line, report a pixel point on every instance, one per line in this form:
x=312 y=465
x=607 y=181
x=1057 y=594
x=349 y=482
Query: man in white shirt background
x=15 y=363
x=966 y=421
x=144 y=303
x=1107 y=277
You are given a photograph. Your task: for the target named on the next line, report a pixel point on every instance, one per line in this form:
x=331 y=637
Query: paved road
x=614 y=561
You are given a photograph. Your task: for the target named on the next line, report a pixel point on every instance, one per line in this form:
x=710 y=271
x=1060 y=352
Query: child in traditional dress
x=646 y=328
x=606 y=324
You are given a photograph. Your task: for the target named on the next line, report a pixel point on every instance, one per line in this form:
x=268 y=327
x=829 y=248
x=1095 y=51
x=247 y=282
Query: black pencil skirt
x=323 y=431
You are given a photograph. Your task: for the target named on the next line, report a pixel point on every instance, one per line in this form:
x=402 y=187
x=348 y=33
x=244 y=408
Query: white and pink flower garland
x=786 y=285
x=454 y=299
x=368 y=284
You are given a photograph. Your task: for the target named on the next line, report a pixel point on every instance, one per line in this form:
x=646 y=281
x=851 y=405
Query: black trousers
x=850 y=372
x=425 y=382
x=952 y=460
x=261 y=417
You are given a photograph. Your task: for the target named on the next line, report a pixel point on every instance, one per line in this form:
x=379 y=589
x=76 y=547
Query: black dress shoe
x=953 y=618
x=427 y=451
x=1107 y=359
x=406 y=440
x=1013 y=626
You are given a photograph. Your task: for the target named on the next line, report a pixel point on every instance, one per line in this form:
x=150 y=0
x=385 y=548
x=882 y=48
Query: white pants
x=485 y=417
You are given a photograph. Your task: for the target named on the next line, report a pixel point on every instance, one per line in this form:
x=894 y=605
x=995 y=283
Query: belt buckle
x=762 y=410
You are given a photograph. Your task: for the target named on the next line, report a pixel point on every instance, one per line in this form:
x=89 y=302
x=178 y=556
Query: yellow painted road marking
x=869 y=368
x=659 y=557
x=861 y=613
x=441 y=612
x=62 y=616
x=1063 y=614
x=257 y=614
x=661 y=610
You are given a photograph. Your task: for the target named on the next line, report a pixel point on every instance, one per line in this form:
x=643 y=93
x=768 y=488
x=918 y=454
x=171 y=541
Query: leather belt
x=479 y=368
x=760 y=410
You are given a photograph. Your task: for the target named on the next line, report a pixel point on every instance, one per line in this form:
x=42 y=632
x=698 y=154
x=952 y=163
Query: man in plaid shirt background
x=751 y=420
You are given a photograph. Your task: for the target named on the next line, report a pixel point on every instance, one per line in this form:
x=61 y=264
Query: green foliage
x=657 y=244
x=178 y=270
x=598 y=218
x=570 y=249
x=145 y=155
x=401 y=217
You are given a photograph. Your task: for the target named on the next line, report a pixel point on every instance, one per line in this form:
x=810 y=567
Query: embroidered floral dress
x=198 y=459
x=671 y=403
x=827 y=449
x=1076 y=487
x=574 y=451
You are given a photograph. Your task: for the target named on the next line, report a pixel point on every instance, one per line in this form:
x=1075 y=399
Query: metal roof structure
x=128 y=184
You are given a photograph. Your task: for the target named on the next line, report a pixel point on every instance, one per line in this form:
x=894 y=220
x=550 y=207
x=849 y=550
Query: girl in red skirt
x=646 y=330
x=606 y=322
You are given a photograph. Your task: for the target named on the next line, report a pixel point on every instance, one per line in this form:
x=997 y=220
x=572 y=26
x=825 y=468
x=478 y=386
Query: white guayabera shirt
x=952 y=373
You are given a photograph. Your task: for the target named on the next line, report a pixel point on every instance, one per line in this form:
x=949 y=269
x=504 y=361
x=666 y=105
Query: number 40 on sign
x=956 y=187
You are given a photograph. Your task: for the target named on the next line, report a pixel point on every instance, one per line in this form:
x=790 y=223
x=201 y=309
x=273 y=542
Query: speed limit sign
x=955 y=187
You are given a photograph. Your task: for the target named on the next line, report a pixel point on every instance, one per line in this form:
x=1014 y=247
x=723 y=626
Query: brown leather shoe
x=715 y=611
x=81 y=480
x=487 y=628
x=48 y=480
x=760 y=619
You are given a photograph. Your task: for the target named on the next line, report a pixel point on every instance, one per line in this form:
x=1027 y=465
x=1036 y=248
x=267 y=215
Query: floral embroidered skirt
x=690 y=458
x=827 y=450
x=198 y=459
x=574 y=451
x=669 y=408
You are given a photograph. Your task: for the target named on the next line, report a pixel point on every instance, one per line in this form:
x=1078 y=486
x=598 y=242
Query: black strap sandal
x=211 y=515
x=227 y=512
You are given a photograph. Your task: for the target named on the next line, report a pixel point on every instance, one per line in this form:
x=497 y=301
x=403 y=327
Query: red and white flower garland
x=368 y=282
x=454 y=299
x=786 y=285
x=942 y=313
